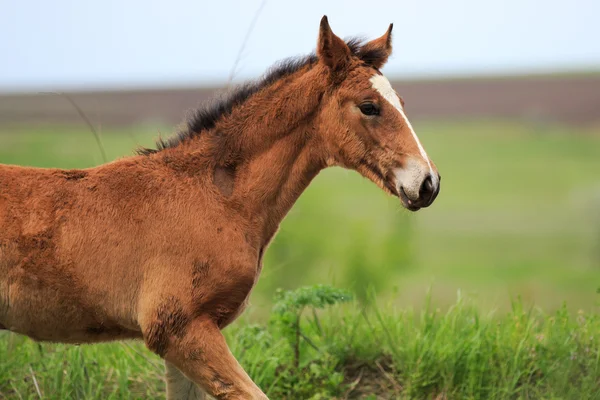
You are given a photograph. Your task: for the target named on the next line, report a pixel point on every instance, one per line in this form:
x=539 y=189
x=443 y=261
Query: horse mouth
x=406 y=202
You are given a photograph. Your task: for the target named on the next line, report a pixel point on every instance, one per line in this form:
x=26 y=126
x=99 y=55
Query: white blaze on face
x=383 y=86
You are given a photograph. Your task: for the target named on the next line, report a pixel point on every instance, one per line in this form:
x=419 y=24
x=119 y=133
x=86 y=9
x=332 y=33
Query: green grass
x=518 y=215
x=350 y=352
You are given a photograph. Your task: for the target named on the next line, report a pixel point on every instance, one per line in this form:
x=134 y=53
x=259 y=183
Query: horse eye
x=369 y=109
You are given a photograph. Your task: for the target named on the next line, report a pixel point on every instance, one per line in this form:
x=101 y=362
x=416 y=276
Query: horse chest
x=222 y=292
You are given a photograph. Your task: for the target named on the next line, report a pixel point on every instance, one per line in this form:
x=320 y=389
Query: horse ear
x=331 y=50
x=376 y=52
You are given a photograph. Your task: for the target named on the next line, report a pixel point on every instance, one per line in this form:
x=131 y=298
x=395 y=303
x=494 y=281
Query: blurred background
x=505 y=97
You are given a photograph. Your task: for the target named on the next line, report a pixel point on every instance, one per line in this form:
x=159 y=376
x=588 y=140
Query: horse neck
x=269 y=184
x=268 y=150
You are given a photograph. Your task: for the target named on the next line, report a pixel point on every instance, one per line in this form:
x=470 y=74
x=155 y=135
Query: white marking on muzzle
x=383 y=86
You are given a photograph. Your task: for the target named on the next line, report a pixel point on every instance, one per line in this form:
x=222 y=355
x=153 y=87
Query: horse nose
x=429 y=190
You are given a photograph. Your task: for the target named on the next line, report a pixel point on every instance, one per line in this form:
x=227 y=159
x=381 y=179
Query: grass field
x=347 y=352
x=518 y=215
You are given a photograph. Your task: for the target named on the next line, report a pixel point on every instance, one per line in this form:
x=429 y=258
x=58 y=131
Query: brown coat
x=167 y=245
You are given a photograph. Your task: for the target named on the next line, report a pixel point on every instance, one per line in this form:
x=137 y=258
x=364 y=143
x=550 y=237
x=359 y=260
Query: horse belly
x=58 y=315
x=45 y=302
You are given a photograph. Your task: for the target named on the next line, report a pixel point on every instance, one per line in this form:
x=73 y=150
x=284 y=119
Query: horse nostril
x=427 y=189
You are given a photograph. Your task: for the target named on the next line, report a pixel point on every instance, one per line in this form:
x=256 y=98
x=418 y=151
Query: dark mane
x=206 y=116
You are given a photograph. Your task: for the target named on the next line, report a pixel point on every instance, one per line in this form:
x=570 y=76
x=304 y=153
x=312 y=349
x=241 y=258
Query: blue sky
x=69 y=44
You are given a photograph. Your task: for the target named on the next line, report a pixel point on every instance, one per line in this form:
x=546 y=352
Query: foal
x=167 y=245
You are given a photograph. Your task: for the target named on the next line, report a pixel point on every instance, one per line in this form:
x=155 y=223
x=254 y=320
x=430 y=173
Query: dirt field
x=563 y=99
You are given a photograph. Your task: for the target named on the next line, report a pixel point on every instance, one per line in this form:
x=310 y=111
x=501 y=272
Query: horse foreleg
x=201 y=353
x=179 y=387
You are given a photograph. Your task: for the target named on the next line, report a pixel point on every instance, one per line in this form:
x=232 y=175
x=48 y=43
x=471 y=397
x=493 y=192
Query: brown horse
x=167 y=245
